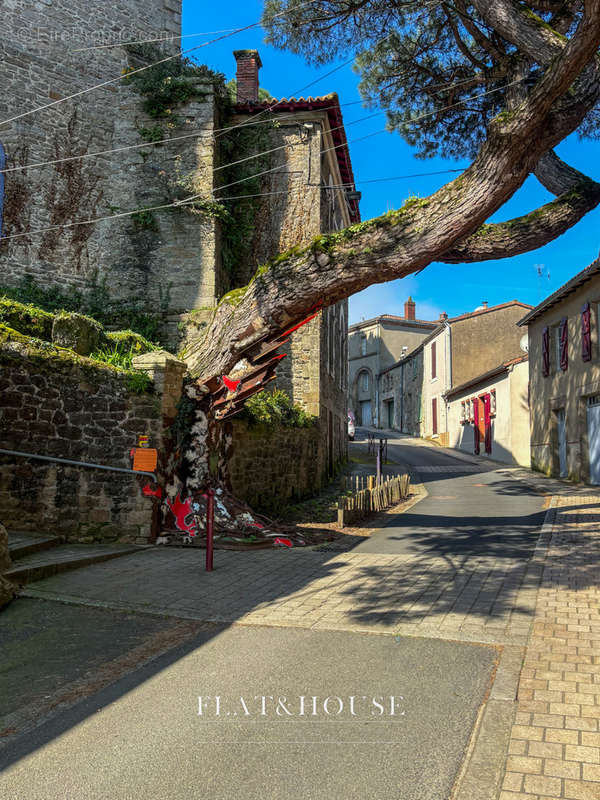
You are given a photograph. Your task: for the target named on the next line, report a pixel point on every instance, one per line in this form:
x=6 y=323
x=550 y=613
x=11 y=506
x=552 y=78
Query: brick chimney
x=248 y=64
x=409 y=309
x=443 y=316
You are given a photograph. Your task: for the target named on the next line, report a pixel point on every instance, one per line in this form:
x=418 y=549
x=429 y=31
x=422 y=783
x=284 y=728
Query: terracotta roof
x=574 y=283
x=492 y=373
x=392 y=318
x=329 y=103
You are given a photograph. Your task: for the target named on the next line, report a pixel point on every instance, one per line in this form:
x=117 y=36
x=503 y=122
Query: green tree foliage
x=418 y=58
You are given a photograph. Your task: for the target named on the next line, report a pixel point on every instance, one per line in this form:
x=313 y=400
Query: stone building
x=155 y=259
x=458 y=350
x=308 y=189
x=373 y=346
x=173 y=258
x=564 y=375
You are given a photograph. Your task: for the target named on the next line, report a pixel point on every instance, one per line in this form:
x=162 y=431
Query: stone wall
x=57 y=404
x=273 y=465
x=163 y=259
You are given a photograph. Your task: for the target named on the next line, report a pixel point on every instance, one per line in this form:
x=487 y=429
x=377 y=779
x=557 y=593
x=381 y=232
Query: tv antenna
x=542 y=272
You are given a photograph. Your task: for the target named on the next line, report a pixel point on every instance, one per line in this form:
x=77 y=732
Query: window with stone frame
x=363 y=344
x=365 y=381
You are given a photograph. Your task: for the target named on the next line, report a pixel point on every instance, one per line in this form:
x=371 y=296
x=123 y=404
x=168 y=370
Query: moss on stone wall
x=26 y=318
x=46 y=357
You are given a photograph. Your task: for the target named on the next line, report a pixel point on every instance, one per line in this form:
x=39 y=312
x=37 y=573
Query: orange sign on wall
x=145 y=459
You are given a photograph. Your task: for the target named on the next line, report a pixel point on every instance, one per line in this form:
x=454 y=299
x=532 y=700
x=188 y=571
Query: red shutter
x=488 y=423
x=563 y=333
x=434 y=415
x=433 y=364
x=586 y=333
x=545 y=352
x=476 y=424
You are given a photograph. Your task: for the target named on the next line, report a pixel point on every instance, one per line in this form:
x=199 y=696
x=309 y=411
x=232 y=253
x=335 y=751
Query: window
x=493 y=403
x=556 y=347
x=433 y=359
x=363 y=345
x=365 y=381
x=467 y=411
x=463 y=412
x=563 y=337
x=2 y=166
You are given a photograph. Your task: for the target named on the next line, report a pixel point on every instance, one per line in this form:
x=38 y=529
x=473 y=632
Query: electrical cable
x=140 y=69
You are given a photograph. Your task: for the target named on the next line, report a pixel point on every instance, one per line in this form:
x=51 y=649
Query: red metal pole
x=210 y=518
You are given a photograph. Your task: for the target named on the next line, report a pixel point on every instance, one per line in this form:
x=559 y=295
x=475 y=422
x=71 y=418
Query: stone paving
x=482 y=599
x=554 y=749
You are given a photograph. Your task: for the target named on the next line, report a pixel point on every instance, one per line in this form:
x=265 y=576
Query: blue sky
x=440 y=287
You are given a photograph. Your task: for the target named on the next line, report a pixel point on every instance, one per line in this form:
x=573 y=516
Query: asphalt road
x=470 y=510
x=144 y=737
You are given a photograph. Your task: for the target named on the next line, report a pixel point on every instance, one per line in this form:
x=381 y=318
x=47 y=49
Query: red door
x=487 y=423
x=434 y=415
x=476 y=428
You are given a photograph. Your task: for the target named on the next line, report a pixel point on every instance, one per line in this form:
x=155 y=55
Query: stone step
x=65 y=557
x=24 y=543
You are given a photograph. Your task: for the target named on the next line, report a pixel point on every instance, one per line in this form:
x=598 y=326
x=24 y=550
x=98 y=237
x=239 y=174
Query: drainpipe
x=377 y=375
x=448 y=366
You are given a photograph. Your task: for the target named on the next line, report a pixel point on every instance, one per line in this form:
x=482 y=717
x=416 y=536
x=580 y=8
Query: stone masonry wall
x=57 y=404
x=165 y=261
x=270 y=466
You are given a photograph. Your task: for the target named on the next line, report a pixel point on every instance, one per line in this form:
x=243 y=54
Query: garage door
x=365 y=412
x=593 y=421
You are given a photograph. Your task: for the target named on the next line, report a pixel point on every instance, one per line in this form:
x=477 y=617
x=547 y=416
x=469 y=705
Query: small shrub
x=272 y=408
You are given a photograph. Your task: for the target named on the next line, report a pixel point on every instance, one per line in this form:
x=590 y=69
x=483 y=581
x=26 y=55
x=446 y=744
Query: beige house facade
x=489 y=415
x=375 y=345
x=564 y=357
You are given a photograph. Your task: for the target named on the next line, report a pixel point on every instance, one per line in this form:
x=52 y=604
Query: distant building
x=489 y=415
x=460 y=353
x=564 y=376
x=374 y=345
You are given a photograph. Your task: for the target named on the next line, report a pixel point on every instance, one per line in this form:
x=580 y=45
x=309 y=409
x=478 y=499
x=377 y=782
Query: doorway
x=390 y=413
x=365 y=412
x=593 y=424
x=561 y=430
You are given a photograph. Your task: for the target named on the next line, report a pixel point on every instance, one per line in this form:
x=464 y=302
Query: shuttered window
x=563 y=336
x=546 y=352
x=433 y=364
x=586 y=333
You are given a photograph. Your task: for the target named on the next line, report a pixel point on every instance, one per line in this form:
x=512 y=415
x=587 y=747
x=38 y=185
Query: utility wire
x=360 y=138
x=195 y=197
x=141 y=69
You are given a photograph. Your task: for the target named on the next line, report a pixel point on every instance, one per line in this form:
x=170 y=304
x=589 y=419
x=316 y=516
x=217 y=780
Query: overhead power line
x=140 y=69
x=189 y=200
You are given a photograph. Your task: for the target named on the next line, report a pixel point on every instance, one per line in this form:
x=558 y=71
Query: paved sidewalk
x=555 y=743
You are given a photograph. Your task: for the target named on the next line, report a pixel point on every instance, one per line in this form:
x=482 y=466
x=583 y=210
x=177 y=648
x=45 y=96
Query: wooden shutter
x=545 y=352
x=563 y=333
x=433 y=364
x=586 y=333
x=475 y=405
x=488 y=423
x=434 y=415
